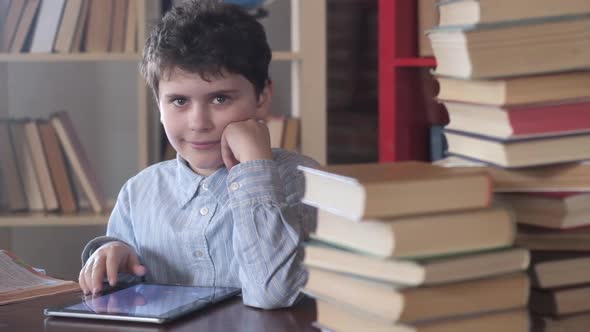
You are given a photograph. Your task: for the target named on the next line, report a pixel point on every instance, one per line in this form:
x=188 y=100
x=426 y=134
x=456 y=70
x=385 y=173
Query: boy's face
x=194 y=113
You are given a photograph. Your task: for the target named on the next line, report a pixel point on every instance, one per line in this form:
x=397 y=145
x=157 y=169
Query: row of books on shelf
x=411 y=246
x=44 y=168
x=68 y=26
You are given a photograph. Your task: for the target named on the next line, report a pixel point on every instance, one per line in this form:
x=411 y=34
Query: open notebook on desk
x=19 y=282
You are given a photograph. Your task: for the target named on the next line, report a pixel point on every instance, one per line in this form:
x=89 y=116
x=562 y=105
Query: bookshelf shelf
x=92 y=57
x=42 y=219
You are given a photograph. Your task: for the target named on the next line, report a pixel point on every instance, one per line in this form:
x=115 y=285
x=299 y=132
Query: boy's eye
x=179 y=101
x=220 y=99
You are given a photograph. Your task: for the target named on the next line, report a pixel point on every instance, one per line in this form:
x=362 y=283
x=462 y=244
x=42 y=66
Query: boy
x=227 y=211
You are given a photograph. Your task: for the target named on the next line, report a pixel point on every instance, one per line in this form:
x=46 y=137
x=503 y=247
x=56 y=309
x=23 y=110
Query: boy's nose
x=200 y=119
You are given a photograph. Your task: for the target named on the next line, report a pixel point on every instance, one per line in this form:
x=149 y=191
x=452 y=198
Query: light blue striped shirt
x=240 y=228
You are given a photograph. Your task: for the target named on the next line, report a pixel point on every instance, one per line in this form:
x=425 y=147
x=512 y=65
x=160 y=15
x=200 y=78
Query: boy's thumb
x=135 y=267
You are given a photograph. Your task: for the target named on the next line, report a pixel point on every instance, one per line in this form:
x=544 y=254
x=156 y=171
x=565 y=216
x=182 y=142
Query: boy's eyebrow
x=210 y=94
x=222 y=92
x=173 y=96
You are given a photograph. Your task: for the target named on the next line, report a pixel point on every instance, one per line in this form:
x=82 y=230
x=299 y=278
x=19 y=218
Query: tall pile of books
x=44 y=167
x=515 y=79
x=412 y=246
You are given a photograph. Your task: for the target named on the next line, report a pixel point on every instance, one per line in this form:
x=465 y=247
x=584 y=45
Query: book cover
x=50 y=15
x=77 y=158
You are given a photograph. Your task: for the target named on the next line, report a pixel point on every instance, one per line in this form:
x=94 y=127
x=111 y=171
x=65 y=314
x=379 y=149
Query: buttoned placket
x=204 y=214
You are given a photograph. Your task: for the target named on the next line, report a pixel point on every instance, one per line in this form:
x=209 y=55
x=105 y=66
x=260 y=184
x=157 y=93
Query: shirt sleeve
x=120 y=228
x=270 y=225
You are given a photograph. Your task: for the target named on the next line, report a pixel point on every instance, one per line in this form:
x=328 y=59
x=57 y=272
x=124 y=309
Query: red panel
x=387 y=118
x=403 y=125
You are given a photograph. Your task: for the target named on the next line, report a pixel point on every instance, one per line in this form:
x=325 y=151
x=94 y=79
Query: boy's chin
x=205 y=167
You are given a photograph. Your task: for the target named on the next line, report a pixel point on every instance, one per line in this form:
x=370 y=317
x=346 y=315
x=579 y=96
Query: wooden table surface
x=228 y=316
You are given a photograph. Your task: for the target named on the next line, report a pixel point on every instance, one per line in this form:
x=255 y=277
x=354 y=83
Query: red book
x=522 y=121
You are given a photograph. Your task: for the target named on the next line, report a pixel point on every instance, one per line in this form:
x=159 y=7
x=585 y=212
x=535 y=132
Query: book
x=339 y=318
x=537 y=238
x=560 y=177
x=72 y=13
x=80 y=27
x=560 y=301
x=523 y=152
x=131 y=27
x=569 y=323
x=58 y=168
x=420 y=236
x=4 y=7
x=98 y=31
x=117 y=42
x=290 y=139
x=466 y=12
x=276 y=126
x=361 y=191
x=523 y=121
x=12 y=187
x=41 y=166
x=393 y=304
x=25 y=25
x=77 y=158
x=19 y=281
x=517 y=90
x=513 y=49
x=13 y=16
x=553 y=269
x=414 y=272
x=551 y=210
x=47 y=26
x=427 y=19
x=24 y=162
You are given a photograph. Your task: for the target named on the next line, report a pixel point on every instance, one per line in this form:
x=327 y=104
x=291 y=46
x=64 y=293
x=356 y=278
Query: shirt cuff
x=255 y=181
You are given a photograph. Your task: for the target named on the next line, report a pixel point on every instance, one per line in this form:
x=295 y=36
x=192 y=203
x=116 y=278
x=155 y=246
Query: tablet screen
x=151 y=300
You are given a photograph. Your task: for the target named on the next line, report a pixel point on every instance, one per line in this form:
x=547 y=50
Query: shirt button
x=234 y=186
x=205 y=186
x=203 y=211
x=198 y=253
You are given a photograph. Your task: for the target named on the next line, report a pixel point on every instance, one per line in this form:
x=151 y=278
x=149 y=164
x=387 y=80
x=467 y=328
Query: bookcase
x=118 y=125
x=403 y=123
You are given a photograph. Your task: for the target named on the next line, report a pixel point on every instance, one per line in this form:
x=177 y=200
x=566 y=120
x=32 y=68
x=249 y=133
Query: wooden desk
x=228 y=316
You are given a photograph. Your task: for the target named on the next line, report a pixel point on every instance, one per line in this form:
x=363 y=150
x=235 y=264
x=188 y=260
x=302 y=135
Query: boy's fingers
x=134 y=266
x=82 y=281
x=112 y=267
x=98 y=274
x=226 y=154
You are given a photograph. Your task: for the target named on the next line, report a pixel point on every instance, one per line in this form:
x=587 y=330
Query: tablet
x=149 y=303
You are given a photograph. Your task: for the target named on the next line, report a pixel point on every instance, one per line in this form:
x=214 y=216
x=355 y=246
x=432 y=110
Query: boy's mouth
x=204 y=145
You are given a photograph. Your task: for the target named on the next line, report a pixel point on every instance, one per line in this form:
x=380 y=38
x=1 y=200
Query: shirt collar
x=188 y=182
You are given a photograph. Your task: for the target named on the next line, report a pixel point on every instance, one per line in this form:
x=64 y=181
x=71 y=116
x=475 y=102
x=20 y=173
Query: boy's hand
x=245 y=141
x=108 y=260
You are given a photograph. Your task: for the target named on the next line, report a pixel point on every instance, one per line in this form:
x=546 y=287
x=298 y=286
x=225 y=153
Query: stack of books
x=516 y=86
x=44 y=167
x=412 y=246
x=515 y=79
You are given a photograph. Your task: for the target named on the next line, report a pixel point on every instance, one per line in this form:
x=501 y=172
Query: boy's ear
x=264 y=101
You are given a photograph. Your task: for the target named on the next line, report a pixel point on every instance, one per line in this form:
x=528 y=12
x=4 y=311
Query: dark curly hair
x=207 y=37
